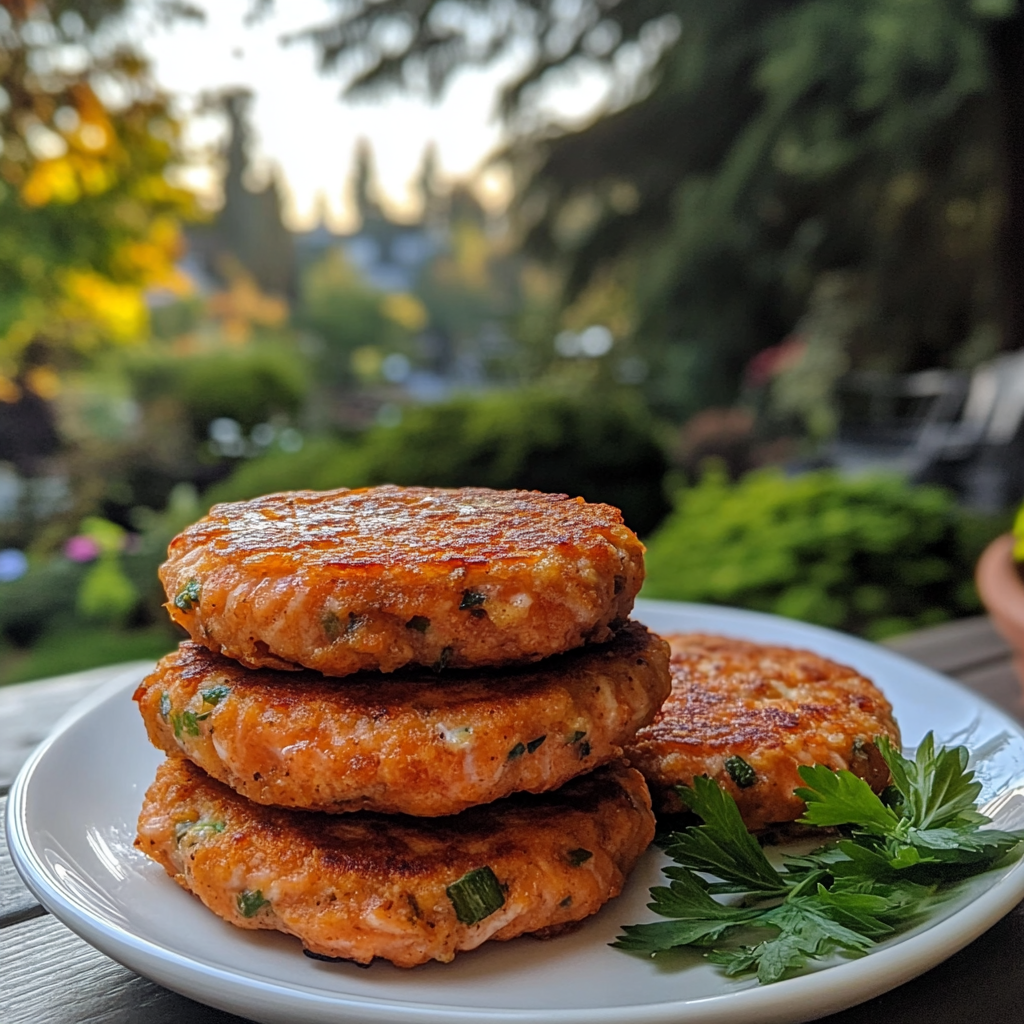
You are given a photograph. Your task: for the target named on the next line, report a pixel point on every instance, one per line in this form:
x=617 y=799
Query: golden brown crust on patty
x=363 y=885
x=411 y=744
x=776 y=708
x=341 y=581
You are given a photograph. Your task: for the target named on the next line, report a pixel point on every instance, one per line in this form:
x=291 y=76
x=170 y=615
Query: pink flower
x=81 y=549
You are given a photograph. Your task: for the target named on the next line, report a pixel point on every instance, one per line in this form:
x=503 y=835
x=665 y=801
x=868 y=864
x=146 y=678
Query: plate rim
x=803 y=997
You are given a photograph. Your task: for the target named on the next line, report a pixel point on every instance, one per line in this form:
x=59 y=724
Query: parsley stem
x=809 y=884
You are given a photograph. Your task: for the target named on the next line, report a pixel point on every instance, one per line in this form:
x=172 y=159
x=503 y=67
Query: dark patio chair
x=965 y=431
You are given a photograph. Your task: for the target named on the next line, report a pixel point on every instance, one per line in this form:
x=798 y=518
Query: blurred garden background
x=750 y=270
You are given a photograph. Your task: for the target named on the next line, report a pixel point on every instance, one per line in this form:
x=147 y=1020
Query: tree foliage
x=88 y=217
x=354 y=321
x=763 y=143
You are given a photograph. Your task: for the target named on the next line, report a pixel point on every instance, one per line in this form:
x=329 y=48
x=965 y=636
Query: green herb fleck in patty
x=740 y=772
x=476 y=895
x=250 y=902
x=188 y=597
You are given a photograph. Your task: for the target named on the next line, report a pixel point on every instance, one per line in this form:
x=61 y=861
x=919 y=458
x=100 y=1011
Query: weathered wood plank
x=16 y=902
x=50 y=974
x=954 y=647
x=28 y=711
x=999 y=684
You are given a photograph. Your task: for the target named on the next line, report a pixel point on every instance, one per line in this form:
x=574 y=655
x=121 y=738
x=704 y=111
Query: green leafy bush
x=872 y=555
x=321 y=464
x=110 y=599
x=603 y=450
x=48 y=593
x=64 y=616
x=249 y=385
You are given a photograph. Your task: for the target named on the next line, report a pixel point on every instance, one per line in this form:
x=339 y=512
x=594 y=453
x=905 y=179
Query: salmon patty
x=406 y=889
x=410 y=744
x=346 y=580
x=748 y=715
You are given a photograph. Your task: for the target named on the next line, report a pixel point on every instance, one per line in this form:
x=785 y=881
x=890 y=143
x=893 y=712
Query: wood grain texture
x=954 y=647
x=51 y=975
x=28 y=711
x=16 y=902
x=973 y=652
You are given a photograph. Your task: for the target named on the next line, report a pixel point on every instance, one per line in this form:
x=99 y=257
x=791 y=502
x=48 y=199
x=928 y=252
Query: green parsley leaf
x=165 y=705
x=987 y=841
x=893 y=862
x=806 y=929
x=722 y=845
x=937 y=787
x=841 y=798
x=697 y=917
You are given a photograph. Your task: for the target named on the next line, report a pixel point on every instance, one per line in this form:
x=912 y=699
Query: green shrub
x=64 y=615
x=47 y=593
x=601 y=449
x=249 y=385
x=322 y=463
x=873 y=555
x=60 y=596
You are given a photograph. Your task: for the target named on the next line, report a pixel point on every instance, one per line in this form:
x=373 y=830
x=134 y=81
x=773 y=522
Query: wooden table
x=50 y=976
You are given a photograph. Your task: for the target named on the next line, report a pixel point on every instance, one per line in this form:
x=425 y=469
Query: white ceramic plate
x=71 y=822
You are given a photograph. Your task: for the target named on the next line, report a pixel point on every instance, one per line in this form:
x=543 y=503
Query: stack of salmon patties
x=397 y=728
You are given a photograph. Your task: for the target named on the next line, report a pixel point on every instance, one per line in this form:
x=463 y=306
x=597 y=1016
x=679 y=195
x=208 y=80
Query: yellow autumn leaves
x=89 y=221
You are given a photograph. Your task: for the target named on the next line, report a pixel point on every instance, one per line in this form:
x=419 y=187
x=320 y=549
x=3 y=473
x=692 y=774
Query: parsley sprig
x=895 y=857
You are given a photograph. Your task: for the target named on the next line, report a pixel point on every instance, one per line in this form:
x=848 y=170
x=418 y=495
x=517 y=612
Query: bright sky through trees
x=304 y=128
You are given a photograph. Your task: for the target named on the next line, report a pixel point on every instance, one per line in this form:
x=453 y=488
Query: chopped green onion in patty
x=476 y=895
